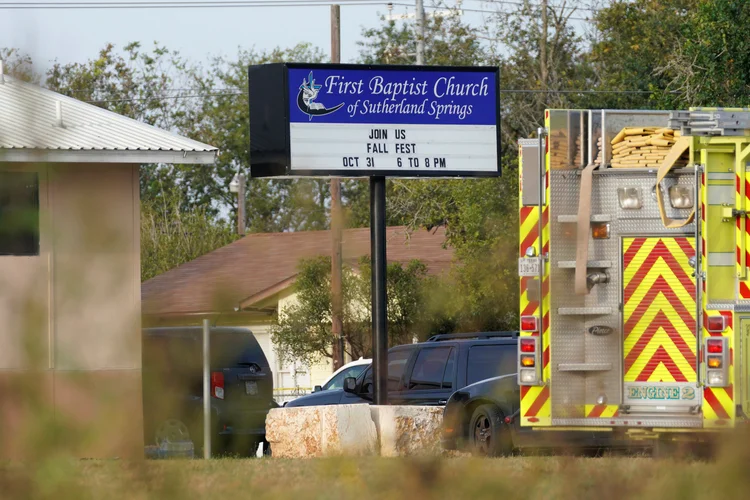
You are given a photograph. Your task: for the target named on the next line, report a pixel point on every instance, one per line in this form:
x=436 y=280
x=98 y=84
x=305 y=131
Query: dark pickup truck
x=241 y=388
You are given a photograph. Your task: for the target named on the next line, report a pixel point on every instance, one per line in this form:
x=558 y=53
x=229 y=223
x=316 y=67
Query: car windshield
x=337 y=382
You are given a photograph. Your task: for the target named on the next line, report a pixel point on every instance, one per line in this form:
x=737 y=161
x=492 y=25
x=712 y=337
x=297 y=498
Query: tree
x=302 y=330
x=710 y=64
x=631 y=45
x=18 y=65
x=171 y=235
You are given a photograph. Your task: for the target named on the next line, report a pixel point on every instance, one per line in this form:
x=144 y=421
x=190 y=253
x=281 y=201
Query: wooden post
x=336 y=221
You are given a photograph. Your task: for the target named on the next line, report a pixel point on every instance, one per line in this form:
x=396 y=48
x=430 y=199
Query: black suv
x=241 y=388
x=428 y=373
x=474 y=376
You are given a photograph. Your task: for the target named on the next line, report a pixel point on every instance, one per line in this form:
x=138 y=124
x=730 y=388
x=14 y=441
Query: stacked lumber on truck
x=644 y=147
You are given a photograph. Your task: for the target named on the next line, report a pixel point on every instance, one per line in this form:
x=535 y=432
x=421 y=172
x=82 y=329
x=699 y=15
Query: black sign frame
x=270 y=142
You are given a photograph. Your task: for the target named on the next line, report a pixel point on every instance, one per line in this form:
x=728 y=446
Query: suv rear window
x=429 y=369
x=487 y=361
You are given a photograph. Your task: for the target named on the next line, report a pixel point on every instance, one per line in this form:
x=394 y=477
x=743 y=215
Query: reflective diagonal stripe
x=602 y=411
x=659 y=310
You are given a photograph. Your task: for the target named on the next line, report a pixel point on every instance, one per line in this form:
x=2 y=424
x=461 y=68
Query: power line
x=181 y=4
x=502 y=91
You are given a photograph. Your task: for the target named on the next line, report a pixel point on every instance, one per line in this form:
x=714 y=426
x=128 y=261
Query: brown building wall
x=70 y=355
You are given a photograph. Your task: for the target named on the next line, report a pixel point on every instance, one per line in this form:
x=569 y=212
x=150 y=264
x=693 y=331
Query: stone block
x=408 y=430
x=320 y=431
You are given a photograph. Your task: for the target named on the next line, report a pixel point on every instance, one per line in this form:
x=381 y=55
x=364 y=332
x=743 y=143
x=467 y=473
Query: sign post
x=324 y=120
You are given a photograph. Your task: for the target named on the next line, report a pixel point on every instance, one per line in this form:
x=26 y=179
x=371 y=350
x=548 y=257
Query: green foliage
x=302 y=329
x=713 y=68
x=18 y=65
x=171 y=235
x=632 y=47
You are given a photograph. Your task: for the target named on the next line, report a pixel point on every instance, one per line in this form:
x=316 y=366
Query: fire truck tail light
x=600 y=230
x=680 y=197
x=528 y=345
x=714 y=361
x=714 y=346
x=528 y=361
x=529 y=324
x=629 y=198
x=716 y=378
x=527 y=376
x=716 y=324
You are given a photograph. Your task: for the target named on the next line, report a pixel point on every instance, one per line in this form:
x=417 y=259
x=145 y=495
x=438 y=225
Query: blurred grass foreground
x=516 y=477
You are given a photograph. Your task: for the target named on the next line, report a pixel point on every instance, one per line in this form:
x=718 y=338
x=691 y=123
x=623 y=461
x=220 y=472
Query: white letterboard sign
x=397 y=121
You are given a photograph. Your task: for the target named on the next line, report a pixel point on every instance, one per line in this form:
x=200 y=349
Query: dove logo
x=308 y=93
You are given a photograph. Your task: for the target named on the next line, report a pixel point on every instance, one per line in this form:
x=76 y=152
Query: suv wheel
x=488 y=435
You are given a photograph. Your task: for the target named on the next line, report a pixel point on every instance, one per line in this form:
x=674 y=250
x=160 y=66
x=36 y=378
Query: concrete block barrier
x=321 y=431
x=354 y=430
x=408 y=430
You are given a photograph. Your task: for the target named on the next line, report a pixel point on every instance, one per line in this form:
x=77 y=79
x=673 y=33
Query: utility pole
x=238 y=186
x=336 y=221
x=420 y=32
x=543 y=46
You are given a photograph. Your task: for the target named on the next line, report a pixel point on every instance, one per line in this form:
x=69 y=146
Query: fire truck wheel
x=488 y=434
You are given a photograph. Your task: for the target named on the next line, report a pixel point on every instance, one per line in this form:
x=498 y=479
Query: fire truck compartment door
x=659 y=309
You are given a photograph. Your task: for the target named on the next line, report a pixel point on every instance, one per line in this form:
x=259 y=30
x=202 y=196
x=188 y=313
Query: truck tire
x=488 y=434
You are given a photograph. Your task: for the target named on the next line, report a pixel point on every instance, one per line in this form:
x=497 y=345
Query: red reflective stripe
x=710 y=398
x=597 y=411
x=538 y=403
x=633 y=249
x=661 y=321
x=661 y=356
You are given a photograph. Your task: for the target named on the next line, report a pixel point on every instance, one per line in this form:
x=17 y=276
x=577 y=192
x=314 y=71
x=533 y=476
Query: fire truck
x=634 y=260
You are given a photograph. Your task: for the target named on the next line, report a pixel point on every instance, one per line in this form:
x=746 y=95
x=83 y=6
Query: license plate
x=528 y=266
x=251 y=388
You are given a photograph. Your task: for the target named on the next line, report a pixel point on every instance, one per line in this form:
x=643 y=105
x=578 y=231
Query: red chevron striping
x=744 y=290
x=633 y=250
x=730 y=392
x=661 y=356
x=524 y=390
x=660 y=250
x=545 y=357
x=529 y=239
x=597 y=411
x=711 y=399
x=530 y=308
x=545 y=322
x=661 y=321
x=538 y=403
x=525 y=212
x=660 y=285
x=686 y=247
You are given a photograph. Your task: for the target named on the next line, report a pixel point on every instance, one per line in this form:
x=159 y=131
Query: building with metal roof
x=70 y=298
x=39 y=125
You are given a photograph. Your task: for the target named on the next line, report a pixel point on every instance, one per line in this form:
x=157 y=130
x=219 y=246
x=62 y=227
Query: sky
x=77 y=35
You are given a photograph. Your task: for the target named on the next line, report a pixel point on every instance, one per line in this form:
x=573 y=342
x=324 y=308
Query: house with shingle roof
x=246 y=283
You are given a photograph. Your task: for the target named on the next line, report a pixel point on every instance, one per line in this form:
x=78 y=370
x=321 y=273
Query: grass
x=607 y=478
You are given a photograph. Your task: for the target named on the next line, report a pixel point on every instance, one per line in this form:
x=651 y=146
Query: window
x=396 y=365
x=337 y=382
x=19 y=213
x=429 y=368
x=487 y=361
x=450 y=370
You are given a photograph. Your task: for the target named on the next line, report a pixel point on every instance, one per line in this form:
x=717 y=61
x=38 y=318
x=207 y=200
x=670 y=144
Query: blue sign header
x=409 y=97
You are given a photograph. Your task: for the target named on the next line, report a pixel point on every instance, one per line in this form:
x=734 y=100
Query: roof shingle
x=220 y=280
